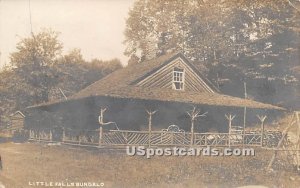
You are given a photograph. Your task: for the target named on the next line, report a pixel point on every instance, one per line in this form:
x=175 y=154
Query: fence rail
x=157 y=138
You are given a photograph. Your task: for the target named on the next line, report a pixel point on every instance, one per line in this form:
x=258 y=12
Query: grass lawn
x=33 y=162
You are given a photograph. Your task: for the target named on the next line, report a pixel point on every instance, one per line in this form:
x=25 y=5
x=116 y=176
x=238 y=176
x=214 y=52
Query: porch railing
x=157 y=138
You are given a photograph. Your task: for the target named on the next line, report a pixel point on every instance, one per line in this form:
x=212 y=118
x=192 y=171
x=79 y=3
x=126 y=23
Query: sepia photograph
x=150 y=93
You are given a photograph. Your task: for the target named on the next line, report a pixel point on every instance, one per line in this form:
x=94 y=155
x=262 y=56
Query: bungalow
x=169 y=84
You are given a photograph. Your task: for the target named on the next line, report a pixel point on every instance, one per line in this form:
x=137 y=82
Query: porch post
x=50 y=135
x=192 y=132
x=150 y=113
x=262 y=120
x=64 y=135
x=101 y=126
x=101 y=123
x=194 y=114
x=245 y=114
x=100 y=135
x=229 y=118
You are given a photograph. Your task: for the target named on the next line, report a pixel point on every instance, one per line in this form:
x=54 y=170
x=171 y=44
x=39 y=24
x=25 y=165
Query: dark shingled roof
x=119 y=84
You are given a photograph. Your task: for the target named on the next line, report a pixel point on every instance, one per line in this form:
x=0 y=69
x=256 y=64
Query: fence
x=114 y=138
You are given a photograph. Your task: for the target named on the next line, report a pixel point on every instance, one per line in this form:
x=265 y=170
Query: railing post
x=100 y=136
x=63 y=135
x=195 y=138
x=50 y=135
x=262 y=135
x=192 y=134
x=149 y=142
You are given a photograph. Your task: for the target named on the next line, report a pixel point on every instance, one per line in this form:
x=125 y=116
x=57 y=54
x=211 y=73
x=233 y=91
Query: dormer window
x=178 y=79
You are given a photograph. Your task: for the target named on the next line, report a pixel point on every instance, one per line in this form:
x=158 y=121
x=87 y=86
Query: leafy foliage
x=235 y=40
x=33 y=63
x=39 y=73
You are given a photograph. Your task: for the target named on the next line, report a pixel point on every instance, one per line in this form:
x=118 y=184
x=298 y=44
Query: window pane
x=177 y=85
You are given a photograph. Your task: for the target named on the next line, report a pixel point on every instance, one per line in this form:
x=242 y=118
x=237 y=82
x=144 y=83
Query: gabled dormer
x=177 y=74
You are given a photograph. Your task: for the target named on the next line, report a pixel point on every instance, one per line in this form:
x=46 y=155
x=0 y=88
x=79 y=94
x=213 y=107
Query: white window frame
x=178 y=77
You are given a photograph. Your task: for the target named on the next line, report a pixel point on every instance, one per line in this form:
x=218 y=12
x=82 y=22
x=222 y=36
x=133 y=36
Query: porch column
x=101 y=123
x=262 y=120
x=229 y=118
x=101 y=126
x=194 y=114
x=150 y=113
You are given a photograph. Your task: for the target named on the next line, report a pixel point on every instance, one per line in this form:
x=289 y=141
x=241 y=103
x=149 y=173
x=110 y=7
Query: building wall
x=17 y=122
x=163 y=77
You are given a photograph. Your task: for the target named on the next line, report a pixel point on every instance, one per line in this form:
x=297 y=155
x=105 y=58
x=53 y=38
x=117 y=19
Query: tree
x=75 y=73
x=207 y=31
x=33 y=63
x=74 y=56
x=236 y=40
x=105 y=67
x=39 y=73
x=195 y=27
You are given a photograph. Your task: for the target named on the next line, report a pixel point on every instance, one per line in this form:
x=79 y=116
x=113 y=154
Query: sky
x=94 y=26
